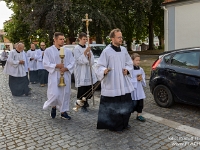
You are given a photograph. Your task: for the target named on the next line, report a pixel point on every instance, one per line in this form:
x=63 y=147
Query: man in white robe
x=16 y=70
x=42 y=73
x=26 y=64
x=116 y=87
x=82 y=73
x=58 y=97
x=32 y=64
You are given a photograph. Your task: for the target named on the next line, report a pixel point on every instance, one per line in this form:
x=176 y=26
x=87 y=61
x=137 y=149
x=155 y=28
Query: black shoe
x=128 y=127
x=65 y=116
x=29 y=93
x=53 y=113
x=84 y=109
x=86 y=105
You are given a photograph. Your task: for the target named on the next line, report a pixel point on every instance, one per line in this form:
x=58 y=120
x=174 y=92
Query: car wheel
x=163 y=96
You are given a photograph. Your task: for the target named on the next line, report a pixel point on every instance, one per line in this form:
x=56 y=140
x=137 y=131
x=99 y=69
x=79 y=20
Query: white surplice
x=115 y=83
x=32 y=64
x=82 y=73
x=58 y=96
x=12 y=66
x=138 y=93
x=39 y=57
x=25 y=61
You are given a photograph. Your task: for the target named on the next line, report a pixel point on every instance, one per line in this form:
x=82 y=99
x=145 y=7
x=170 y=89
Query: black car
x=175 y=77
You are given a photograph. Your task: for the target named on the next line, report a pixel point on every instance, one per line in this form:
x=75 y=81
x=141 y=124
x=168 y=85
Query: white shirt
x=12 y=66
x=115 y=83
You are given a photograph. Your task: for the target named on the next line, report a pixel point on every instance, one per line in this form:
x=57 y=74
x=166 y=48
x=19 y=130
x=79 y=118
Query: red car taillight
x=155 y=64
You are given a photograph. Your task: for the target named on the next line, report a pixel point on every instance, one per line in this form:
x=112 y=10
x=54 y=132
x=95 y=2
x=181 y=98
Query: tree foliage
x=41 y=18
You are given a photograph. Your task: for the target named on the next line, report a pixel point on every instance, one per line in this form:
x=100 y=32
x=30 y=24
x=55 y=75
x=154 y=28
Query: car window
x=187 y=59
x=167 y=58
x=96 y=50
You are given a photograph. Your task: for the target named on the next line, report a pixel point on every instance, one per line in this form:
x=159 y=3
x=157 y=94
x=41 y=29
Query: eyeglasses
x=119 y=37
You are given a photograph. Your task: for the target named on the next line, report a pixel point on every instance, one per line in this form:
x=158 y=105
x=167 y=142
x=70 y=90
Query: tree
x=156 y=22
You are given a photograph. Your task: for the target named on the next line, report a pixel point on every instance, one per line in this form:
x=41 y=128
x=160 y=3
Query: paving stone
x=28 y=126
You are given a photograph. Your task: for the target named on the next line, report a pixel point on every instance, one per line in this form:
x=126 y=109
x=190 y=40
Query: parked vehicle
x=175 y=77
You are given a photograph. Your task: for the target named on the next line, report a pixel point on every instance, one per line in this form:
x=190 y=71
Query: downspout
x=165 y=28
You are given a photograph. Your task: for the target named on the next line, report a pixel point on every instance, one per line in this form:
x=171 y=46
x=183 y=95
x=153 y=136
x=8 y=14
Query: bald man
x=15 y=69
x=42 y=73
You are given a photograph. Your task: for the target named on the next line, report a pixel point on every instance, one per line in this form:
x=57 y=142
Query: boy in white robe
x=58 y=97
x=42 y=73
x=32 y=64
x=15 y=69
x=116 y=87
x=138 y=81
x=82 y=73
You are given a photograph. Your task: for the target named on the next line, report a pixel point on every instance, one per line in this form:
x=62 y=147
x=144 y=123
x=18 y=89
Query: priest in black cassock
x=116 y=87
x=15 y=68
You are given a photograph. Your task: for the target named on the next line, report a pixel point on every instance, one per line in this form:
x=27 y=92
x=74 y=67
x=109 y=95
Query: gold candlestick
x=62 y=79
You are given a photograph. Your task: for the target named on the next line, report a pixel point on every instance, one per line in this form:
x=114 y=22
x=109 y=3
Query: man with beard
x=42 y=73
x=116 y=87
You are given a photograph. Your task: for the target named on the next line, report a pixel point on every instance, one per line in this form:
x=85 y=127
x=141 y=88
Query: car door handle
x=171 y=70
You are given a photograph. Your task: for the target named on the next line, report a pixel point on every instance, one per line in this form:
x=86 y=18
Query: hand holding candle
x=62 y=51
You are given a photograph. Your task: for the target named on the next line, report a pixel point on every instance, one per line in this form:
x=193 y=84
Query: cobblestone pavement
x=25 y=125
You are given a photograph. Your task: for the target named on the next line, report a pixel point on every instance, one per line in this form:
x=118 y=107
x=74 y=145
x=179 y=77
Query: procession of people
x=53 y=66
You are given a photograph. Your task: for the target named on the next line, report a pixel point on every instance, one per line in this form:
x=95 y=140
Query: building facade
x=182 y=24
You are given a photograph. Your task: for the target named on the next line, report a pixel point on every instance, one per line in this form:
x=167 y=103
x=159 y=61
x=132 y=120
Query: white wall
x=187 y=25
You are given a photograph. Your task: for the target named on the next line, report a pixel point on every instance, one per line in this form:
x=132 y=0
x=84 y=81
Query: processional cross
x=88 y=37
x=87 y=24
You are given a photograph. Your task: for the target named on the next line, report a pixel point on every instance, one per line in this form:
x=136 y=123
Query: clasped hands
x=21 y=62
x=139 y=77
x=125 y=71
x=87 y=52
x=61 y=67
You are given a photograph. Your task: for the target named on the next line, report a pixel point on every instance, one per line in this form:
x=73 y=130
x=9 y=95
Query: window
x=187 y=59
x=167 y=58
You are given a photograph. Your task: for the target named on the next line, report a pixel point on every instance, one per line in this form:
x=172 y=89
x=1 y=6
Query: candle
x=62 y=51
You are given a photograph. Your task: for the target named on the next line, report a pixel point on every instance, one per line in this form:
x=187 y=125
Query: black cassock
x=19 y=85
x=114 y=112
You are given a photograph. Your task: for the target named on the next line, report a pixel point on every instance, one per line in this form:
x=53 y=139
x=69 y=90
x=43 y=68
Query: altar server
x=32 y=64
x=42 y=73
x=82 y=72
x=16 y=70
x=58 y=97
x=116 y=87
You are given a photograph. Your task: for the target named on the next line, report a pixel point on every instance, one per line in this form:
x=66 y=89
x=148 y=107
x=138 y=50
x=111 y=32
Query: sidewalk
x=25 y=125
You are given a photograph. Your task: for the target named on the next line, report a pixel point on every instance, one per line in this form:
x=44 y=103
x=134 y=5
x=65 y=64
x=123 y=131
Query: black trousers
x=137 y=105
x=3 y=63
x=43 y=76
x=84 y=91
x=33 y=76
